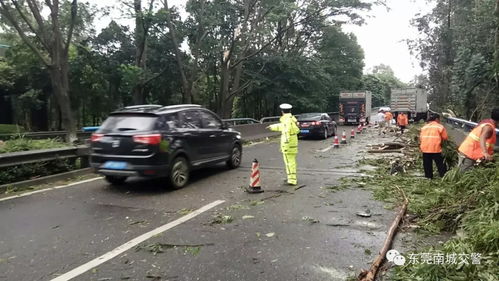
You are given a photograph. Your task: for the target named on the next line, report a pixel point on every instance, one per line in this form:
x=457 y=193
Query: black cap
x=433 y=117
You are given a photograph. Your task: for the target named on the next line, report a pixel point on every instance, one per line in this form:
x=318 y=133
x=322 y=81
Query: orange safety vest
x=471 y=145
x=402 y=120
x=431 y=137
x=388 y=116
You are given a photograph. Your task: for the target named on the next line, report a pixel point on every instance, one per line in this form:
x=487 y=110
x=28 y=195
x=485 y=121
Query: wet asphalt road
x=307 y=234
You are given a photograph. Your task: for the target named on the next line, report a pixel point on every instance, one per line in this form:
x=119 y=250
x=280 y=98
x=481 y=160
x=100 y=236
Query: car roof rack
x=143 y=106
x=140 y=108
x=179 y=106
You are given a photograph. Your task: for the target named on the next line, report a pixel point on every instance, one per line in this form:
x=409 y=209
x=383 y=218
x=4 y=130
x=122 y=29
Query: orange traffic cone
x=254 y=186
x=336 y=143
x=343 y=138
x=352 y=134
x=359 y=129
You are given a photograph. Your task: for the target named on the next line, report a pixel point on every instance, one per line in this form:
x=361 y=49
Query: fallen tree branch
x=385 y=151
x=370 y=275
x=301 y=186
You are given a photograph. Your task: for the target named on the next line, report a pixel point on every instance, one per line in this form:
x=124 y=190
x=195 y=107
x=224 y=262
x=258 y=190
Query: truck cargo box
x=412 y=100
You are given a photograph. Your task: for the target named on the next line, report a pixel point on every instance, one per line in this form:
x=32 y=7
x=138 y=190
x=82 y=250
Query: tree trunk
x=186 y=86
x=59 y=75
x=27 y=119
x=138 y=94
x=224 y=88
x=59 y=72
x=140 y=51
x=60 y=87
x=232 y=91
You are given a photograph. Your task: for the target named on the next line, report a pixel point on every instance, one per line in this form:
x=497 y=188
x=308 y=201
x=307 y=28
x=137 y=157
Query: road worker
x=431 y=137
x=388 y=119
x=380 y=118
x=288 y=126
x=402 y=121
x=479 y=144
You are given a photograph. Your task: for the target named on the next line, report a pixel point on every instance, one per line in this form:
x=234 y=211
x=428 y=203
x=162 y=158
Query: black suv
x=162 y=141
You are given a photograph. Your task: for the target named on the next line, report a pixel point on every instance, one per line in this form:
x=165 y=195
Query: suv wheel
x=179 y=172
x=326 y=134
x=235 y=157
x=116 y=180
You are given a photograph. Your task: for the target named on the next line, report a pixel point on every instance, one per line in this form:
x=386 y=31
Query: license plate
x=113 y=165
x=304 y=131
x=352 y=120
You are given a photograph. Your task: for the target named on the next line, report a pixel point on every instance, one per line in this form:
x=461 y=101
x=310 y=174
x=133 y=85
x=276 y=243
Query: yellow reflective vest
x=289 y=133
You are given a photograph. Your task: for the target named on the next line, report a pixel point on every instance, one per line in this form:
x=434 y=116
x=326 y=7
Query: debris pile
x=463 y=204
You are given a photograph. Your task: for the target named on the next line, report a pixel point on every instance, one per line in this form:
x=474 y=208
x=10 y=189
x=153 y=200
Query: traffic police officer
x=289 y=140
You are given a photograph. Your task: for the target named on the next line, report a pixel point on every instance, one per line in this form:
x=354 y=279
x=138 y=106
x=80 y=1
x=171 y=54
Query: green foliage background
x=296 y=52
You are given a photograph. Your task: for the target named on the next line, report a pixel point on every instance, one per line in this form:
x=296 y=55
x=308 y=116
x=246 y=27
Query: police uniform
x=289 y=141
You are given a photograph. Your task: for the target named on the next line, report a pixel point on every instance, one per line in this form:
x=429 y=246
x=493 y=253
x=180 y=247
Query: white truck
x=355 y=107
x=410 y=100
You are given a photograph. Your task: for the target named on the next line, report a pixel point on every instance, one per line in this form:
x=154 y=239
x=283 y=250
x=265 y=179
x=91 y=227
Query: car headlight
x=238 y=136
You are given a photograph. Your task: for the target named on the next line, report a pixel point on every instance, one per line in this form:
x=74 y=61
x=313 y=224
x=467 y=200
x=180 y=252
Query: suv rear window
x=128 y=122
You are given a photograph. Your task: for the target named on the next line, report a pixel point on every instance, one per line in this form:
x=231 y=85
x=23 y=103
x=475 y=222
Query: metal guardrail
x=27 y=157
x=45 y=135
x=248 y=131
x=462 y=125
x=240 y=121
x=87 y=131
x=270 y=119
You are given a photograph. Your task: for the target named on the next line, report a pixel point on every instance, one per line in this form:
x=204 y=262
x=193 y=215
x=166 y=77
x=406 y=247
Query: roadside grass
x=24 y=144
x=10 y=129
x=36 y=170
x=463 y=204
x=33 y=170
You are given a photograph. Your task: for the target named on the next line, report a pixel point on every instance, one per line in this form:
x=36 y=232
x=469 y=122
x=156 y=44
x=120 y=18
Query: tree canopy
x=238 y=58
x=459 y=49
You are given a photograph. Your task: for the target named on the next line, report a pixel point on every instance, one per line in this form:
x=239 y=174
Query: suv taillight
x=96 y=137
x=147 y=139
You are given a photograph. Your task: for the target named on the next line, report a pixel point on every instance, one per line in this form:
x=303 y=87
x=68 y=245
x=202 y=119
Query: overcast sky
x=382 y=37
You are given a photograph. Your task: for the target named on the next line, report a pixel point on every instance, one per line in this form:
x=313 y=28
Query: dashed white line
x=132 y=243
x=48 y=189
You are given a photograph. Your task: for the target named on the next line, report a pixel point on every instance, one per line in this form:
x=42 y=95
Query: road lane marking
x=309 y=170
x=326 y=149
x=132 y=243
x=48 y=189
